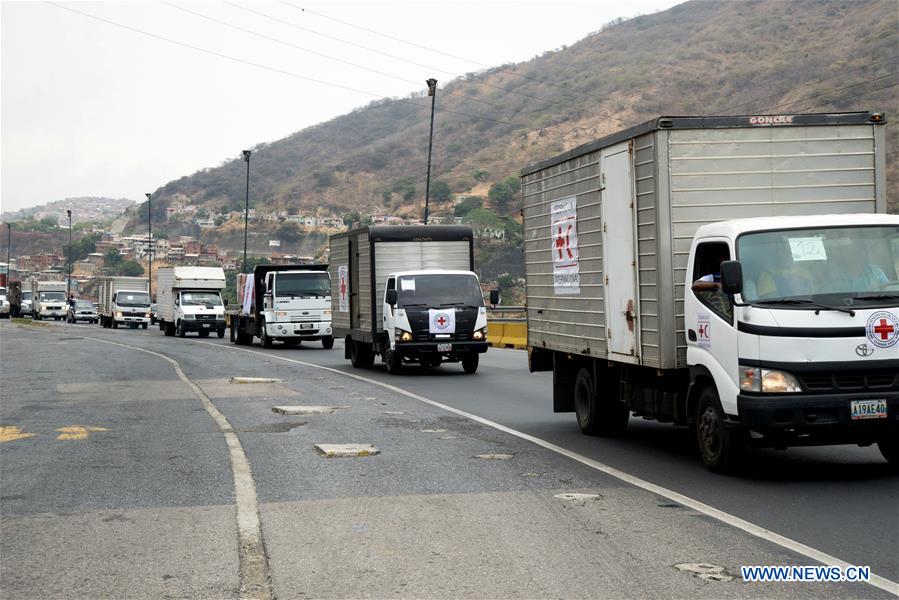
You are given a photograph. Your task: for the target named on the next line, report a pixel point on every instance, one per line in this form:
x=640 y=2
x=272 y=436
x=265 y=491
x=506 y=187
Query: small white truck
x=731 y=274
x=49 y=300
x=189 y=299
x=284 y=303
x=124 y=301
x=408 y=294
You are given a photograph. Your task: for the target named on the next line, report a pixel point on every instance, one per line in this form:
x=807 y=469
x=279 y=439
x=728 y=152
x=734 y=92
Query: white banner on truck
x=566 y=274
x=248 y=295
x=343 y=283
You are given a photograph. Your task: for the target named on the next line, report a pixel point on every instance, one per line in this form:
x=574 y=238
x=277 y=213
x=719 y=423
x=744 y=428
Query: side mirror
x=494 y=297
x=391 y=297
x=731 y=277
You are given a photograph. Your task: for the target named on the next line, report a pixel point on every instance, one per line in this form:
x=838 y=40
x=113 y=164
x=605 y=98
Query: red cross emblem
x=564 y=241
x=884 y=329
x=343 y=286
x=441 y=321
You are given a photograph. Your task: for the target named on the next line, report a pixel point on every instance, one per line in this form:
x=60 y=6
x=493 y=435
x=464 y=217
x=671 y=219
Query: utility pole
x=246 y=211
x=432 y=92
x=8 y=246
x=69 y=279
x=150 y=245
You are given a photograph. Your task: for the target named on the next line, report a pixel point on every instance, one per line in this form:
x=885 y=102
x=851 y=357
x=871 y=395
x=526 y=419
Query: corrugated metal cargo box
x=608 y=226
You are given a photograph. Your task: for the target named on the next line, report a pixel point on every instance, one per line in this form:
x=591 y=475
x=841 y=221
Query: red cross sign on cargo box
x=566 y=277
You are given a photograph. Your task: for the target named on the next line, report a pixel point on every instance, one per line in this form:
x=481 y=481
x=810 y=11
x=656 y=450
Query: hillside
x=696 y=58
x=87 y=209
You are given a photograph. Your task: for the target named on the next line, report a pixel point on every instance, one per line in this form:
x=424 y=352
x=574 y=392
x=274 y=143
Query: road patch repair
x=705 y=571
x=346 y=450
x=497 y=456
x=575 y=496
x=242 y=380
x=305 y=410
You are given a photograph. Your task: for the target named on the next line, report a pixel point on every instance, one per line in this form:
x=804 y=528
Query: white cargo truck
x=408 y=294
x=727 y=273
x=190 y=299
x=124 y=301
x=285 y=303
x=49 y=300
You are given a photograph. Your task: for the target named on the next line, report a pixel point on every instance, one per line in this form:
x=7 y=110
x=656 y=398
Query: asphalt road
x=116 y=481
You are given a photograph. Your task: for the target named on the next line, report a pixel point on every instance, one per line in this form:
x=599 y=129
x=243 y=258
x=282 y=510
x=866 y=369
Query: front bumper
x=53 y=312
x=294 y=331
x=815 y=419
x=132 y=319
x=412 y=349
x=202 y=324
x=85 y=317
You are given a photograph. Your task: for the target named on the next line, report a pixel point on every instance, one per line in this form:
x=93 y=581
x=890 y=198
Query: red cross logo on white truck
x=564 y=241
x=441 y=320
x=882 y=329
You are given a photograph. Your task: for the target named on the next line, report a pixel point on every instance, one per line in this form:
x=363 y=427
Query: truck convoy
x=676 y=271
x=190 y=299
x=49 y=299
x=124 y=301
x=284 y=303
x=408 y=294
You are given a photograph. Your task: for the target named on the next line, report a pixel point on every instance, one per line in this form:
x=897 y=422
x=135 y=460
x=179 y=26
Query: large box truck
x=284 y=303
x=124 y=301
x=734 y=274
x=409 y=295
x=48 y=299
x=189 y=299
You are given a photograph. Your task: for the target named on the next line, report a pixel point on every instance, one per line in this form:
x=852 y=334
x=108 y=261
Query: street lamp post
x=8 y=246
x=432 y=92
x=149 y=245
x=69 y=279
x=246 y=211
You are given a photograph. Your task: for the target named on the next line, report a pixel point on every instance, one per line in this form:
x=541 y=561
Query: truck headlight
x=768 y=381
x=326 y=313
x=147 y=315
x=281 y=314
x=402 y=335
x=480 y=334
x=118 y=313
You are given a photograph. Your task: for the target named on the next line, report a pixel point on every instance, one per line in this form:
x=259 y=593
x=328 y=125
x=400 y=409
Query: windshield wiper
x=462 y=304
x=807 y=302
x=415 y=304
x=877 y=297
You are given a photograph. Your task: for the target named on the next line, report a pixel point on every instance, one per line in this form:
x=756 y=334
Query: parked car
x=4 y=307
x=82 y=310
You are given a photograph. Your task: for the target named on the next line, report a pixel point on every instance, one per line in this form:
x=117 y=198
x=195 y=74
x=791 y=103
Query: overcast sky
x=93 y=109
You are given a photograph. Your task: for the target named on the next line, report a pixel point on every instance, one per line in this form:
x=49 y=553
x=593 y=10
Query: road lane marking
x=877 y=581
x=255 y=580
x=11 y=433
x=77 y=432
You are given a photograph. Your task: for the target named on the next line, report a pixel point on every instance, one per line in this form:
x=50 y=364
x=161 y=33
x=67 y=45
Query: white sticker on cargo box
x=807 y=248
x=407 y=285
x=564 y=247
x=703 y=330
x=343 y=282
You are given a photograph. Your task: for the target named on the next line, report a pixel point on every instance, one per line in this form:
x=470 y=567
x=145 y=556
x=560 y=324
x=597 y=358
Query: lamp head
x=246 y=155
x=432 y=86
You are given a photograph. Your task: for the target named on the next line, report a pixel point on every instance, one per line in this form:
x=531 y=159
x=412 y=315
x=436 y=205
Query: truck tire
x=470 y=362
x=328 y=342
x=203 y=334
x=143 y=325
x=232 y=335
x=361 y=356
x=600 y=414
x=264 y=338
x=394 y=362
x=720 y=447
x=115 y=324
x=179 y=329
x=889 y=448
x=221 y=333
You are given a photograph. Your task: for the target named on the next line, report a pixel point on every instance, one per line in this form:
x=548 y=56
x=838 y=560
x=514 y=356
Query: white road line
x=255 y=581
x=760 y=532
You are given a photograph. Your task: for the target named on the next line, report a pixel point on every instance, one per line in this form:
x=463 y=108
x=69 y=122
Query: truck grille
x=206 y=317
x=851 y=381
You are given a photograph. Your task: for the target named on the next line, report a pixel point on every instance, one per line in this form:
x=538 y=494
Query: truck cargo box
x=608 y=225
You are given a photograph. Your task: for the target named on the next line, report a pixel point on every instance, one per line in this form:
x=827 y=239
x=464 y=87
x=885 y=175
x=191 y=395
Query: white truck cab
x=49 y=300
x=190 y=300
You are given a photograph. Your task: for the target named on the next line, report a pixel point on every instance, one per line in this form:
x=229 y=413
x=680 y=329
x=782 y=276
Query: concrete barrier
x=495 y=332
x=515 y=335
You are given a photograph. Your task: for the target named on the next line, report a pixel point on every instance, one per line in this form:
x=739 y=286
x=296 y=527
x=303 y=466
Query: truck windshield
x=833 y=265
x=200 y=299
x=133 y=299
x=53 y=296
x=302 y=285
x=436 y=290
x=26 y=295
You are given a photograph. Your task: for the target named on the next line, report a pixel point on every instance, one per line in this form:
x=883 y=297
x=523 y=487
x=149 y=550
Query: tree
x=351 y=218
x=506 y=283
x=481 y=218
x=503 y=193
x=288 y=232
x=131 y=268
x=112 y=259
x=464 y=207
x=441 y=191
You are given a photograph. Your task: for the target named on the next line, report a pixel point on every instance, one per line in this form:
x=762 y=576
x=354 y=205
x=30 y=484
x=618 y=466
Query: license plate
x=444 y=347
x=206 y=325
x=306 y=325
x=868 y=409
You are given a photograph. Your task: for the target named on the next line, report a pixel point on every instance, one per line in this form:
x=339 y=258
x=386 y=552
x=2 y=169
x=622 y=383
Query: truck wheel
x=889 y=448
x=203 y=334
x=328 y=342
x=598 y=414
x=115 y=324
x=263 y=336
x=470 y=362
x=143 y=325
x=394 y=361
x=179 y=329
x=221 y=333
x=720 y=447
x=361 y=356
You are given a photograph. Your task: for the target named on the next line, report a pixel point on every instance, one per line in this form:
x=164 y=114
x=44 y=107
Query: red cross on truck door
x=566 y=273
x=882 y=329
